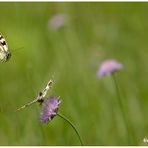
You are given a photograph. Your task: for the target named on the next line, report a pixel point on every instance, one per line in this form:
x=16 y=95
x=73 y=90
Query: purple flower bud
x=108 y=67
x=50 y=109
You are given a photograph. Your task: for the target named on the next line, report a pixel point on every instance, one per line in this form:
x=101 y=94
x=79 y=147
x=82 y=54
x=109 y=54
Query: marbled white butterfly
x=4 y=50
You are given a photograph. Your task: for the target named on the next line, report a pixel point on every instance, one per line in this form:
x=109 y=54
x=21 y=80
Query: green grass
x=94 y=32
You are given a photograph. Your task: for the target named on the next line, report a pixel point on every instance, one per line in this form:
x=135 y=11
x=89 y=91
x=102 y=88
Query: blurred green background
x=72 y=54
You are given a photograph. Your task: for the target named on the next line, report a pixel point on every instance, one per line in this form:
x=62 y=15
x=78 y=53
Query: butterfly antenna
x=17 y=49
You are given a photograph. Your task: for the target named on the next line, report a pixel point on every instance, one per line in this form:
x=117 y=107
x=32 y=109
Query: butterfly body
x=4 y=50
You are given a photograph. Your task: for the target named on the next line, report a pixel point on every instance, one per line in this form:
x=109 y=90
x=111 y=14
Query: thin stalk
x=121 y=105
x=118 y=94
x=63 y=117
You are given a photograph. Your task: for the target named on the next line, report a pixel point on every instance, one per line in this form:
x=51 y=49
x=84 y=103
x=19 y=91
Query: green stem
x=72 y=127
x=118 y=93
x=121 y=105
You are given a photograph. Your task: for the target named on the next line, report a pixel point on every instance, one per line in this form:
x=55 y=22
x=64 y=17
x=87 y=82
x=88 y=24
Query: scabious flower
x=57 y=21
x=50 y=109
x=108 y=67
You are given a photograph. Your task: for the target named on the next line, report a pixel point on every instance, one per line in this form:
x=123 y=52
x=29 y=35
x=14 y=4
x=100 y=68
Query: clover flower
x=50 y=109
x=57 y=21
x=108 y=67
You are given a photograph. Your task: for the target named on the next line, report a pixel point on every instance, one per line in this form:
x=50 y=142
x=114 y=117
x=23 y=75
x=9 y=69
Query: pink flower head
x=108 y=67
x=57 y=21
x=50 y=109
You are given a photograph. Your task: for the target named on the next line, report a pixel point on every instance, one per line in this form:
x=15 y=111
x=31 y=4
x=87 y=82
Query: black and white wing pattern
x=4 y=50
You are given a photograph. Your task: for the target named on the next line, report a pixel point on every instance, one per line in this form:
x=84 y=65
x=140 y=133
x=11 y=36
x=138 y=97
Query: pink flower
x=108 y=67
x=57 y=21
x=50 y=109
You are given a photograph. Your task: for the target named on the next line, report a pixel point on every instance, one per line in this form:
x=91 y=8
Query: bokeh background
x=70 y=50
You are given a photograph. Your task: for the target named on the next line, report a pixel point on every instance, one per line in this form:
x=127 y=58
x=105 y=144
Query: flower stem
x=121 y=105
x=63 y=117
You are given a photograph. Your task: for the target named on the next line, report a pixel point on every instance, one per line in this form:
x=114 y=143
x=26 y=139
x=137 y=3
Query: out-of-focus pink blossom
x=108 y=67
x=57 y=21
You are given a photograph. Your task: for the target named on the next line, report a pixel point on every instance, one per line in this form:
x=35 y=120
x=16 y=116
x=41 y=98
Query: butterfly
x=40 y=97
x=4 y=50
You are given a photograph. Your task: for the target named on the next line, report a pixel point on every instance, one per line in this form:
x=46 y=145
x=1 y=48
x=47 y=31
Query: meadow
x=71 y=55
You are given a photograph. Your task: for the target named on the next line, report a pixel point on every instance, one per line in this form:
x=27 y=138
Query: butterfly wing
x=4 y=51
